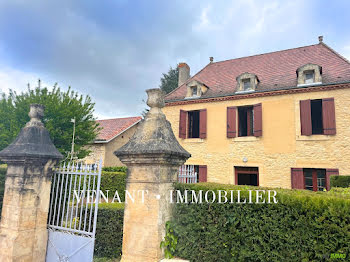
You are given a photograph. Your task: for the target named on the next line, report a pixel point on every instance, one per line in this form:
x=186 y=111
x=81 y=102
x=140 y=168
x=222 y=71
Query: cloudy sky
x=113 y=50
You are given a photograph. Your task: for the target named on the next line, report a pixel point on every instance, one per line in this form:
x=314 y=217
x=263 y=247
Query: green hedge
x=109 y=230
x=303 y=226
x=340 y=181
x=115 y=169
x=113 y=181
x=2 y=185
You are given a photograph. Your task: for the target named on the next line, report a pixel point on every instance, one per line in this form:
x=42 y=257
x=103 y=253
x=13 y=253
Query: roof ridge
x=335 y=52
x=119 y=118
x=237 y=59
x=268 y=53
x=189 y=79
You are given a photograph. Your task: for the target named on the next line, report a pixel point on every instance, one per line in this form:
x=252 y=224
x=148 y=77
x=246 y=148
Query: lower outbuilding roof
x=111 y=128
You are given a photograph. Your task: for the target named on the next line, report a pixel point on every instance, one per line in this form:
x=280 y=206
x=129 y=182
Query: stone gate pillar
x=30 y=159
x=152 y=156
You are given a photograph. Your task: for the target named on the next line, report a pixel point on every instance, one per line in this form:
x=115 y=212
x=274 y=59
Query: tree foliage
x=169 y=81
x=60 y=108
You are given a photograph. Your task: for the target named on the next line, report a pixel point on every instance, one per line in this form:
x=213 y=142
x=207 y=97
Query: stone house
x=279 y=119
x=114 y=133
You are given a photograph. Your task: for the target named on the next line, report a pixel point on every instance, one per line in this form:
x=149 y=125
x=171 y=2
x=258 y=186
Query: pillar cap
x=33 y=140
x=154 y=135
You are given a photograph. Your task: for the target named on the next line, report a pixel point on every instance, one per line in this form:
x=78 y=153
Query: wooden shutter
x=305 y=117
x=257 y=119
x=202 y=176
x=182 y=124
x=297 y=178
x=231 y=121
x=203 y=123
x=328 y=115
x=329 y=173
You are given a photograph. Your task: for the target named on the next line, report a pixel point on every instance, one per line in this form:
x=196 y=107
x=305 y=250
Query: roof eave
x=256 y=92
x=105 y=141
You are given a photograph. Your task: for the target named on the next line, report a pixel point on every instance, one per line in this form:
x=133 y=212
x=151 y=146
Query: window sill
x=245 y=91
x=193 y=140
x=245 y=139
x=192 y=97
x=310 y=84
x=313 y=138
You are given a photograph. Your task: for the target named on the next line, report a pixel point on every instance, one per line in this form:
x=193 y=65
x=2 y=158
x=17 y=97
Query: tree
x=169 y=81
x=60 y=108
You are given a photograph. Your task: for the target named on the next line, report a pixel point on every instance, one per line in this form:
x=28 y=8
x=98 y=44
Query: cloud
x=347 y=52
x=16 y=80
x=115 y=50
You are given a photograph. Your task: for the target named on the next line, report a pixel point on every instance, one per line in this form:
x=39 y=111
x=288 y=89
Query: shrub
x=340 y=181
x=109 y=230
x=115 y=169
x=113 y=181
x=303 y=226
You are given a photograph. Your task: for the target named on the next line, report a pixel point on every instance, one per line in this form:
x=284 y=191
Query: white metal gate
x=73 y=212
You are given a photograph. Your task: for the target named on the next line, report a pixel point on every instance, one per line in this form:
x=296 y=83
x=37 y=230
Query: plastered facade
x=281 y=146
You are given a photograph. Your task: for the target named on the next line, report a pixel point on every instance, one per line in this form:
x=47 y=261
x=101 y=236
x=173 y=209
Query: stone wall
x=116 y=143
x=97 y=152
x=105 y=150
x=281 y=146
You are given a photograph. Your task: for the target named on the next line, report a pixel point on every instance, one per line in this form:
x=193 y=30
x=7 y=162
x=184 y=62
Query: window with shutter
x=258 y=120
x=305 y=117
x=297 y=178
x=197 y=124
x=202 y=176
x=203 y=123
x=193 y=124
x=328 y=114
x=317 y=117
x=231 y=122
x=249 y=120
x=245 y=121
x=182 y=124
x=314 y=179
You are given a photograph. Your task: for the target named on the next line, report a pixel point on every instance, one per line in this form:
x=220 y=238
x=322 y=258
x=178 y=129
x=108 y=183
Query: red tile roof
x=276 y=70
x=113 y=127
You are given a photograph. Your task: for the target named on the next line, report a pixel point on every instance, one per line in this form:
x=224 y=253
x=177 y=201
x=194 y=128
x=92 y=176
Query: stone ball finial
x=155 y=98
x=36 y=112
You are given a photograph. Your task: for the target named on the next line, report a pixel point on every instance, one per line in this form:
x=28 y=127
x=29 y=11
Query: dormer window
x=194 y=90
x=309 y=74
x=247 y=82
x=309 y=77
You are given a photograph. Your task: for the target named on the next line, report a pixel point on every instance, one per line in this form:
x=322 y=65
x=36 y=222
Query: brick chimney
x=184 y=73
